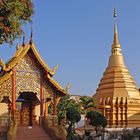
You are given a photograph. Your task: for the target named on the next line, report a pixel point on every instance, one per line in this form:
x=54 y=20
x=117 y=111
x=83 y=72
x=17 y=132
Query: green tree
x=65 y=103
x=73 y=116
x=87 y=103
x=96 y=119
x=13 y=14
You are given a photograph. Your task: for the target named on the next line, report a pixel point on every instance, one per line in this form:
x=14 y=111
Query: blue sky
x=78 y=34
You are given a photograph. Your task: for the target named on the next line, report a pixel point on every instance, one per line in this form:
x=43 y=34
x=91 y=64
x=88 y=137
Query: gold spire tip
x=115 y=14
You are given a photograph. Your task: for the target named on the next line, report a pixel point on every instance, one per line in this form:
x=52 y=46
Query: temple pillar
x=111 y=115
x=103 y=106
x=13 y=90
x=125 y=112
x=41 y=101
x=122 y=108
x=56 y=100
x=114 y=112
x=47 y=103
x=119 y=113
x=54 y=105
x=41 y=97
x=46 y=109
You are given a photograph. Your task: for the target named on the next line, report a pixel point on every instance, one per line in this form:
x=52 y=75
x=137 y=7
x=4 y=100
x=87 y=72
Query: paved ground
x=36 y=133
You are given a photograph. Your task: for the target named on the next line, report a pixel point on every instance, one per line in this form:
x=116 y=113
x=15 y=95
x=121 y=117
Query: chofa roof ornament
x=2 y=64
x=67 y=87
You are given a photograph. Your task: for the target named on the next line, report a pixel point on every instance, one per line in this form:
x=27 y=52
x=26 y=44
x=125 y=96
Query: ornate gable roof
x=6 y=69
x=21 y=52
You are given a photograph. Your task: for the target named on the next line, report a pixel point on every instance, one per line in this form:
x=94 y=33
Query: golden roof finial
x=55 y=68
x=23 y=44
x=2 y=64
x=31 y=36
x=67 y=87
x=17 y=46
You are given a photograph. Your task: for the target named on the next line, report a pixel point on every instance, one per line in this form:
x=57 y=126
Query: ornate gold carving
x=57 y=100
x=27 y=76
x=48 y=92
x=55 y=69
x=27 y=64
x=67 y=87
x=132 y=101
x=2 y=64
x=6 y=88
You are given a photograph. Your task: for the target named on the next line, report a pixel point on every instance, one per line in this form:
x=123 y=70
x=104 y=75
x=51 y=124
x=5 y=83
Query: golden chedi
x=117 y=94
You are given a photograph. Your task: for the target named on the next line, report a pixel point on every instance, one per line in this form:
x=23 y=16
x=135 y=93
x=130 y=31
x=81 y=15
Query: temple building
x=27 y=87
x=118 y=97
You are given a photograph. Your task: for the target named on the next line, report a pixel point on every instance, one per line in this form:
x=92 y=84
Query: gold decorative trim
x=2 y=64
x=5 y=77
x=21 y=52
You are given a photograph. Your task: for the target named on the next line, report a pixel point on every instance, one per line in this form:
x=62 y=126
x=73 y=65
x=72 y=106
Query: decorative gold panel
x=27 y=76
x=48 y=92
x=27 y=64
x=6 y=88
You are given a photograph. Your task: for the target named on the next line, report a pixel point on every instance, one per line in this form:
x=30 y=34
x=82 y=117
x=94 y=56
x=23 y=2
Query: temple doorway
x=27 y=102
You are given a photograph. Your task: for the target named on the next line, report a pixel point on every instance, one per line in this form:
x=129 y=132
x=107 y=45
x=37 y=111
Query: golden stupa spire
x=115 y=46
x=117 y=88
x=116 y=57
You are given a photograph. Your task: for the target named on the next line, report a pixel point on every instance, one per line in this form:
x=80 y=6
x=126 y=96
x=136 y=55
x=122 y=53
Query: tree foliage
x=65 y=103
x=13 y=14
x=70 y=109
x=96 y=119
x=87 y=103
x=73 y=116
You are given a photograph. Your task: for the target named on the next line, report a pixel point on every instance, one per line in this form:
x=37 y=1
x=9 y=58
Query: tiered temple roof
x=6 y=68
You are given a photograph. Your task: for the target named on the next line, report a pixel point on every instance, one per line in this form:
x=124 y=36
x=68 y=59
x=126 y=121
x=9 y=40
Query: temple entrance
x=28 y=101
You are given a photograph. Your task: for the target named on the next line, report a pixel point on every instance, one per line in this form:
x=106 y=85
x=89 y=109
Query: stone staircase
x=3 y=136
x=3 y=133
x=36 y=133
